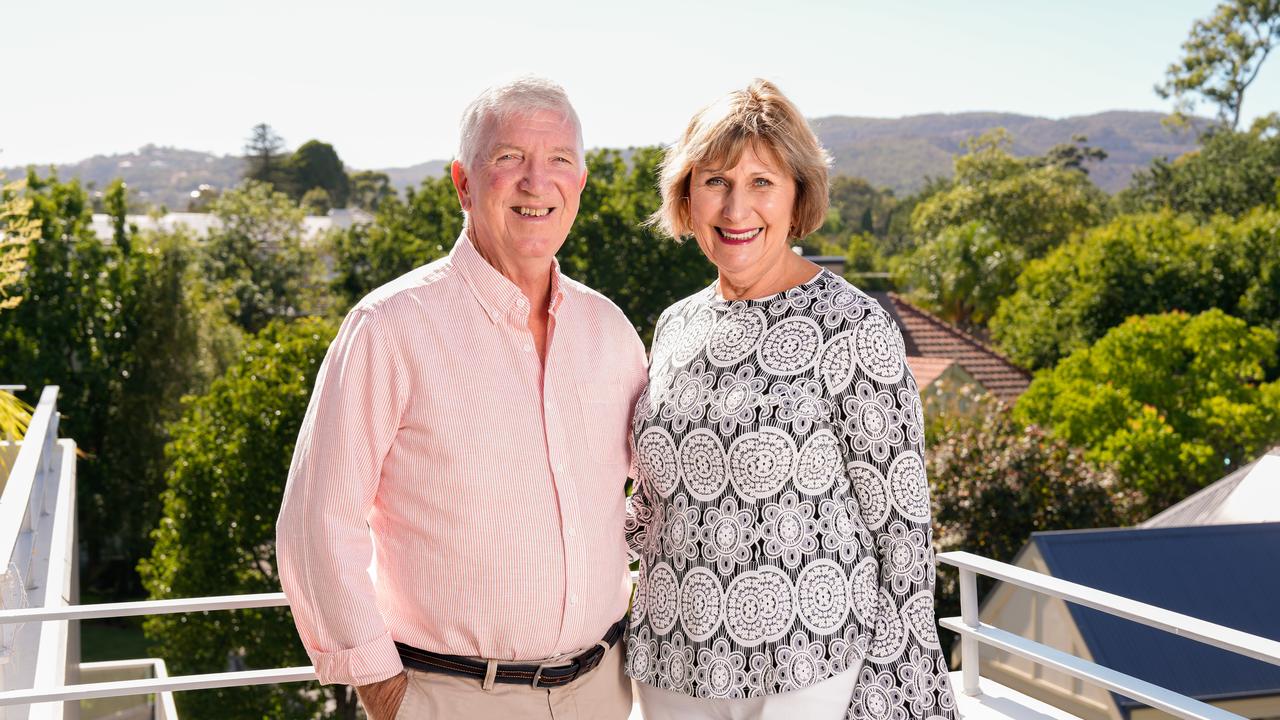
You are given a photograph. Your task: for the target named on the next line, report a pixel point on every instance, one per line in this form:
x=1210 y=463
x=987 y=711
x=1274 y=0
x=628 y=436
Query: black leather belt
x=545 y=675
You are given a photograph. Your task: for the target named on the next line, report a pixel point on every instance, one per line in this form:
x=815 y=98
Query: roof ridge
x=953 y=328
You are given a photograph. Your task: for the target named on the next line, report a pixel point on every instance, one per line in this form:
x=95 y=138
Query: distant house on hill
x=200 y=224
x=1248 y=495
x=1226 y=574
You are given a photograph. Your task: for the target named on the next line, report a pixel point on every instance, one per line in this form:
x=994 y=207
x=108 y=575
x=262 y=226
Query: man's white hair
x=521 y=96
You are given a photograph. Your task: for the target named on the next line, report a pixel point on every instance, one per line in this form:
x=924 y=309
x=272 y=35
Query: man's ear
x=583 y=182
x=462 y=184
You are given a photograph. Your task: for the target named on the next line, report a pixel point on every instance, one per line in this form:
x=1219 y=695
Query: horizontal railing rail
x=972 y=632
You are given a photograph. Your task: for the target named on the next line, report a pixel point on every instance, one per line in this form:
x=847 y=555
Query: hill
x=898 y=153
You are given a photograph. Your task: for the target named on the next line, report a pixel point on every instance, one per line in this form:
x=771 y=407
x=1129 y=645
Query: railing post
x=968 y=643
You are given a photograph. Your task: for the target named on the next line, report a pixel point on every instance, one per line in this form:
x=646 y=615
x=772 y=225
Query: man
x=467 y=436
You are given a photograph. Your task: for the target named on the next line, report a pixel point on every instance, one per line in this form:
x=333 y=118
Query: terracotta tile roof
x=929 y=336
x=927 y=369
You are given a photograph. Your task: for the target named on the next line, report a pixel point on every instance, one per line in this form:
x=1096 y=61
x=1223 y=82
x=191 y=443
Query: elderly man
x=467 y=441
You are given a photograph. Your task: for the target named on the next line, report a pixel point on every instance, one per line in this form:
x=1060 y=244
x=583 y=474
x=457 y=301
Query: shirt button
x=573 y=598
x=573 y=532
x=527 y=347
x=559 y=467
x=494 y=315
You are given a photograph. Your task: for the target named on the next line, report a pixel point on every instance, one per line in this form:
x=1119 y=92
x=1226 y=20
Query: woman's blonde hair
x=759 y=115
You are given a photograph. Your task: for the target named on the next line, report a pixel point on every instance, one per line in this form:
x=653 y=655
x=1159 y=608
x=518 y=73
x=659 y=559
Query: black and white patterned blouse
x=781 y=511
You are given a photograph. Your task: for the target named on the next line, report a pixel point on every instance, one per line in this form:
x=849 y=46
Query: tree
x=316 y=201
x=612 y=249
x=856 y=207
x=961 y=273
x=1032 y=204
x=264 y=157
x=1230 y=173
x=1141 y=264
x=404 y=235
x=18 y=229
x=256 y=258
x=316 y=165
x=995 y=481
x=228 y=462
x=1172 y=401
x=1222 y=56
x=369 y=188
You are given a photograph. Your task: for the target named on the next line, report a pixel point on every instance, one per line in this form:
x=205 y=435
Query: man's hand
x=381 y=700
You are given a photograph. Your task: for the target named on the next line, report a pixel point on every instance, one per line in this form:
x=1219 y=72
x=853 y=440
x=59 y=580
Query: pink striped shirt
x=485 y=489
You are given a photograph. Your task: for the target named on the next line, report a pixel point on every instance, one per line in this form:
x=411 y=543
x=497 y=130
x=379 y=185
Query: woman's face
x=741 y=216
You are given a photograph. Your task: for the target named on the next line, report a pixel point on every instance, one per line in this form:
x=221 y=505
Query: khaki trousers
x=603 y=693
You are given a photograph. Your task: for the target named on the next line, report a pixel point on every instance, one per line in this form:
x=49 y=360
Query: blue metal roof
x=1226 y=574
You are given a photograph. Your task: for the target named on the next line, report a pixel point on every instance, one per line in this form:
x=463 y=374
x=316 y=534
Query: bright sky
x=385 y=80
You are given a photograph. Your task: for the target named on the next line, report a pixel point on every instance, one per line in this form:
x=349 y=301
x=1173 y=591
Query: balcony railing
x=36 y=533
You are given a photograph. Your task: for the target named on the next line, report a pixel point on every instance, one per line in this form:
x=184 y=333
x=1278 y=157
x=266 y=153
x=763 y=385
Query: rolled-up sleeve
x=322 y=537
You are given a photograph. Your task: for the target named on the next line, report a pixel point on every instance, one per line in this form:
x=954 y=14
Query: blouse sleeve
x=877 y=404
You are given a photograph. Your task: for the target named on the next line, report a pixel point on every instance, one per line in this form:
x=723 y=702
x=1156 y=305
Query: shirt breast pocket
x=605 y=414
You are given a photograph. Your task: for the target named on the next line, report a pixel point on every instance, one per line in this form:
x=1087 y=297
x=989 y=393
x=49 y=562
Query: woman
x=781 y=511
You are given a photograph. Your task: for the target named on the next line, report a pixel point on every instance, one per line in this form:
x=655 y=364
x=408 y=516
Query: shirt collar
x=495 y=293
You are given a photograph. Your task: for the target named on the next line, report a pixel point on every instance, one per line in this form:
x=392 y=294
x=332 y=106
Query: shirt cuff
x=368 y=663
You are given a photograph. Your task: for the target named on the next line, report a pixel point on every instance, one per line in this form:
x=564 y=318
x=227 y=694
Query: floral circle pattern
x=781 y=510
x=761 y=462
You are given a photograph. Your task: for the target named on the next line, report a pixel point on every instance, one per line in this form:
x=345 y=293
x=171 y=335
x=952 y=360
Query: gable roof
x=927 y=335
x=1250 y=494
x=1225 y=574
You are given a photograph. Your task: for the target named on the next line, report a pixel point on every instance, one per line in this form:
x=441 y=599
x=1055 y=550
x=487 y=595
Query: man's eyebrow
x=565 y=150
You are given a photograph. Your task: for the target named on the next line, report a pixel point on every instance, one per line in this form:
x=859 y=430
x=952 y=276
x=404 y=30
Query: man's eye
x=562 y=160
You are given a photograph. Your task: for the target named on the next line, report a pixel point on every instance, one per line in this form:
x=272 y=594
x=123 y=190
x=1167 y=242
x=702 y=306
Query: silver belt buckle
x=538 y=675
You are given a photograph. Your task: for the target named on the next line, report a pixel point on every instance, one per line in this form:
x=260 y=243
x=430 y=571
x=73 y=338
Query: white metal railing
x=165 y=707
x=973 y=632
x=37 y=525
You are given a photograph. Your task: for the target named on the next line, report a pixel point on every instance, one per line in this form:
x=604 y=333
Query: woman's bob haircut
x=763 y=117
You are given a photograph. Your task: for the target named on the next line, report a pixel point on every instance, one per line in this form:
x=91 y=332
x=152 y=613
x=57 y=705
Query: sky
x=385 y=81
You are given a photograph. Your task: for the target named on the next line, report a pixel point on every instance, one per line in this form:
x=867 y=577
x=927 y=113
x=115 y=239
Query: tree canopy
x=1172 y=401
x=1222 y=56
x=227 y=466
x=1141 y=264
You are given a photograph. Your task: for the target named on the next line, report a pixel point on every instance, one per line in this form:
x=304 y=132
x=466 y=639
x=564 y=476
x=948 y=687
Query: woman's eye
x=716 y=181
x=762 y=182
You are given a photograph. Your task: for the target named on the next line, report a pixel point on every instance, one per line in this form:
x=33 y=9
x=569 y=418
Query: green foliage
x=1141 y=264
x=256 y=258
x=112 y=324
x=404 y=234
x=995 y=481
x=316 y=165
x=1222 y=57
x=265 y=161
x=856 y=208
x=228 y=462
x=315 y=201
x=864 y=261
x=961 y=273
x=974 y=234
x=18 y=229
x=1171 y=401
x=1028 y=203
x=369 y=188
x=1231 y=173
x=612 y=250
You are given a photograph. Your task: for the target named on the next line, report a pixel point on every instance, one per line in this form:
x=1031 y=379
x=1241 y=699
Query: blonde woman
x=781 y=511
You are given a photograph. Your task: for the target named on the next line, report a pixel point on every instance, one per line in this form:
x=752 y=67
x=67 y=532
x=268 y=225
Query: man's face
x=522 y=195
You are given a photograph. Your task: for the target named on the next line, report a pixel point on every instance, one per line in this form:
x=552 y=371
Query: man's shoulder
x=595 y=302
x=410 y=289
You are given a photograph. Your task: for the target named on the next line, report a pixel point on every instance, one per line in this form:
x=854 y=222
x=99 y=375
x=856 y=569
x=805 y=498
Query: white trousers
x=827 y=700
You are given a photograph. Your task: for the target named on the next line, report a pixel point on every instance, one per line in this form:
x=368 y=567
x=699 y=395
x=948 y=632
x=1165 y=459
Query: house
x=1248 y=495
x=1226 y=574
x=930 y=341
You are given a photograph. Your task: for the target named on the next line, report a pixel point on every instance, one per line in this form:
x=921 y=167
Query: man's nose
x=536 y=179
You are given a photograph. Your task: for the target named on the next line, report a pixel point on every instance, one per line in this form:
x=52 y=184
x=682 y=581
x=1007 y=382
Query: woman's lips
x=738 y=236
